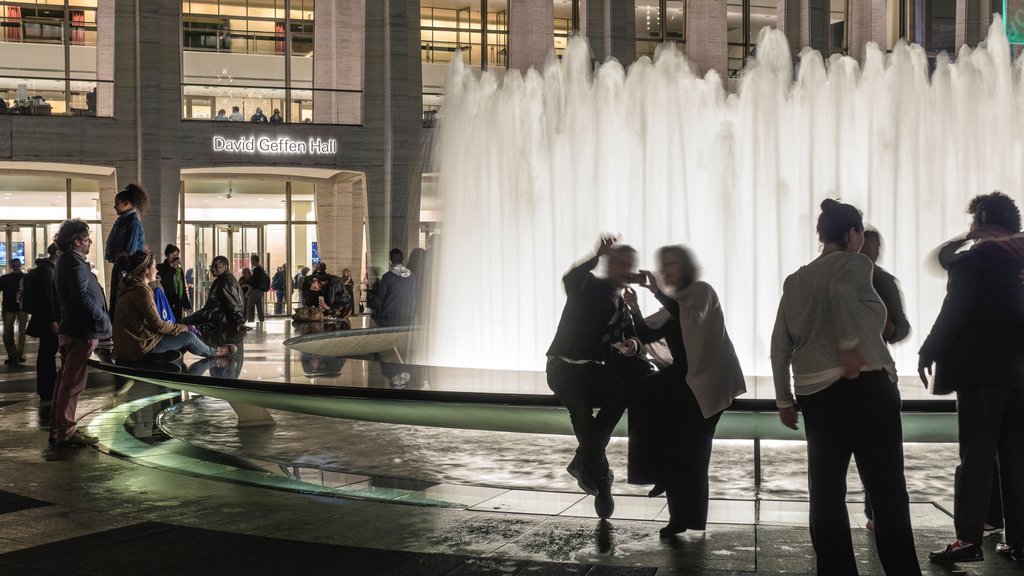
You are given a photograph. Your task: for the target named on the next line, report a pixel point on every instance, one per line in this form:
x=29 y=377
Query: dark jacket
x=224 y=303
x=978 y=337
x=10 y=285
x=889 y=291
x=590 y=306
x=44 y=298
x=83 y=308
x=126 y=236
x=177 y=293
x=260 y=280
x=396 y=298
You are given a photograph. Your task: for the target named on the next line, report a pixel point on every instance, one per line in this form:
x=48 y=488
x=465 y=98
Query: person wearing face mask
x=139 y=331
x=828 y=336
x=674 y=412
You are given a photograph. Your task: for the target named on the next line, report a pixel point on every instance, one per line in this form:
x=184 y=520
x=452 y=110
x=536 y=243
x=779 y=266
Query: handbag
x=308 y=314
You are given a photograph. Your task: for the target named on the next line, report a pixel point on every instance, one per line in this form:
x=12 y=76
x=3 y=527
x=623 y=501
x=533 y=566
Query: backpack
x=163 y=305
x=264 y=281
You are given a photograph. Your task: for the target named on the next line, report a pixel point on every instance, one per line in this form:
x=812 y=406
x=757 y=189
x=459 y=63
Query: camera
x=636 y=278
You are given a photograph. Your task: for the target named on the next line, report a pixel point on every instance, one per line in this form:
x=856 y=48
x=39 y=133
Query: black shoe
x=576 y=470
x=9 y=361
x=958 y=551
x=166 y=357
x=79 y=438
x=671 y=530
x=22 y=360
x=658 y=490
x=604 y=505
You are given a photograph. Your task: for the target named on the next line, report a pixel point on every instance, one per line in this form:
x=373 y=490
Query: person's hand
x=54 y=326
x=193 y=330
x=627 y=348
x=629 y=297
x=650 y=281
x=789 y=417
x=852 y=362
x=605 y=244
x=924 y=370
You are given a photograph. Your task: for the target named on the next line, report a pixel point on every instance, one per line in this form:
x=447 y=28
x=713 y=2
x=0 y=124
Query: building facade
x=299 y=129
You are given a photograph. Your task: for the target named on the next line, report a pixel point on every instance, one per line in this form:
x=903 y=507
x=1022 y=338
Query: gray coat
x=83 y=307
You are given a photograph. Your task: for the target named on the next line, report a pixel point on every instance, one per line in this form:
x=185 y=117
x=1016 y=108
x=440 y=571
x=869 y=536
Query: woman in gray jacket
x=829 y=332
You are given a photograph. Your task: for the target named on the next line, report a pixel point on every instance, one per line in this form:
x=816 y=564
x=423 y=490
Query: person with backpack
x=258 y=287
x=39 y=298
x=277 y=285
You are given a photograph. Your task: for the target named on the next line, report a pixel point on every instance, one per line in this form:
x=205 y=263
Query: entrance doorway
x=236 y=241
x=25 y=241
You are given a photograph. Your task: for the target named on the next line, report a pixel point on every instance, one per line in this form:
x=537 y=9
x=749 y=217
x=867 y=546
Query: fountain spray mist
x=534 y=166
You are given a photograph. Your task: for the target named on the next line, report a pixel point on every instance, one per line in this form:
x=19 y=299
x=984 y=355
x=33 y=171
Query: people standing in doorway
x=126 y=235
x=349 y=283
x=299 y=282
x=245 y=282
x=829 y=332
x=396 y=298
x=84 y=321
x=40 y=299
x=10 y=285
x=259 y=285
x=674 y=412
x=277 y=285
x=976 y=347
x=172 y=280
x=578 y=370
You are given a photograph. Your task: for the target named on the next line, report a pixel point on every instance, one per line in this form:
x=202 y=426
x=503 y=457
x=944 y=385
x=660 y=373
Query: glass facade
x=51 y=59
x=247 y=60
x=746 y=18
x=659 y=21
x=567 y=22
x=450 y=28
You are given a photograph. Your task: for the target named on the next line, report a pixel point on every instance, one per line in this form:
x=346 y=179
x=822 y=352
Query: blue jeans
x=186 y=341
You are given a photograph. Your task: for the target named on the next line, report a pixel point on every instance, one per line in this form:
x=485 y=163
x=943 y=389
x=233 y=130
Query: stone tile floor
x=80 y=511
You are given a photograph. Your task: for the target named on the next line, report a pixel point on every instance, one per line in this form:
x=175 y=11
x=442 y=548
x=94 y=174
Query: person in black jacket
x=44 y=323
x=977 y=347
x=897 y=327
x=586 y=363
x=84 y=321
x=223 y=308
x=172 y=280
x=254 y=300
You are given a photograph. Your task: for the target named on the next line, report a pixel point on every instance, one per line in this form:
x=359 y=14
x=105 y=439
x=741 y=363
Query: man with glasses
x=83 y=323
x=224 y=304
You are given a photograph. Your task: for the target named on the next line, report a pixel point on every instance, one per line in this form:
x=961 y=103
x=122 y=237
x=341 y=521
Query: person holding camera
x=586 y=363
x=172 y=280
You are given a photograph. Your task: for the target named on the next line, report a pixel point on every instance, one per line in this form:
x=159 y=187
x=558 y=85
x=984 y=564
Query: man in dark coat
x=41 y=298
x=223 y=308
x=84 y=321
x=977 y=346
x=10 y=286
x=396 y=296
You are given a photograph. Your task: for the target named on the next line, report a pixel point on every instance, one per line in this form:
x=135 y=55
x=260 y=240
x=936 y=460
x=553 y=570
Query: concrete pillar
x=707 y=36
x=106 y=28
x=609 y=27
x=805 y=23
x=340 y=210
x=867 y=23
x=339 y=48
x=972 y=21
x=531 y=33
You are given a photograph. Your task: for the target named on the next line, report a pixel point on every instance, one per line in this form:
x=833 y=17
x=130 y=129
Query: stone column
x=972 y=22
x=106 y=28
x=609 y=26
x=707 y=46
x=867 y=23
x=341 y=210
x=531 y=33
x=338 y=64
x=805 y=23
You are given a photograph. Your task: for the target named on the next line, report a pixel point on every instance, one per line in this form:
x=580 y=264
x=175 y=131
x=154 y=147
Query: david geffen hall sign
x=279 y=145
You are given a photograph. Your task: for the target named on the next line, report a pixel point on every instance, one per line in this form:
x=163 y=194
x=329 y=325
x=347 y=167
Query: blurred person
x=829 y=332
x=40 y=299
x=396 y=295
x=126 y=235
x=976 y=348
x=245 y=282
x=677 y=409
x=84 y=321
x=348 y=283
x=277 y=285
x=236 y=115
x=223 y=310
x=140 y=333
x=578 y=370
x=259 y=285
x=258 y=116
x=276 y=117
x=299 y=281
x=172 y=280
x=222 y=116
x=10 y=285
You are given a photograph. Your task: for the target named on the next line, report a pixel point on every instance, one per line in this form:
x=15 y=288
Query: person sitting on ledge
x=223 y=308
x=327 y=292
x=139 y=332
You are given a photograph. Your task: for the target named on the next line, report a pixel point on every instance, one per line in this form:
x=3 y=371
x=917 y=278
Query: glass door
x=236 y=242
x=26 y=242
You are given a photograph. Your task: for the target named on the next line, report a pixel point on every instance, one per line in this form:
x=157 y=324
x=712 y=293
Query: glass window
x=234 y=201
x=40 y=76
x=837 y=26
x=745 y=20
x=940 y=26
x=658 y=21
x=566 y=14
x=85 y=199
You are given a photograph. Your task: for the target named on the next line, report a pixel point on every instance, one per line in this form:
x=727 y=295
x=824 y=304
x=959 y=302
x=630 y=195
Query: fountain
x=534 y=166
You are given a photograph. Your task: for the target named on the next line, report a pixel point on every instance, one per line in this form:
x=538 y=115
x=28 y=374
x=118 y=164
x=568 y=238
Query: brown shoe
x=79 y=438
x=225 y=351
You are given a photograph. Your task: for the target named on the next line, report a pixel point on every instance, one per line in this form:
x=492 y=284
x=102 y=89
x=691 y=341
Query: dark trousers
x=859 y=417
x=115 y=279
x=670 y=444
x=46 y=364
x=582 y=388
x=991 y=427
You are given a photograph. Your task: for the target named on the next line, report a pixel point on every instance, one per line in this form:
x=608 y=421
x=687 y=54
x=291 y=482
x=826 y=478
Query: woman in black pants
x=829 y=332
x=673 y=413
